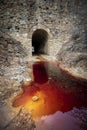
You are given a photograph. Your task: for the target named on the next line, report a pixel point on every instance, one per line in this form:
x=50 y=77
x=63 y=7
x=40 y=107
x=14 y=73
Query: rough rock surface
x=22 y=121
x=12 y=118
x=64 y=20
x=66 y=24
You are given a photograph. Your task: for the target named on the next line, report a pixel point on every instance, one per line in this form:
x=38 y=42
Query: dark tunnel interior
x=39 y=40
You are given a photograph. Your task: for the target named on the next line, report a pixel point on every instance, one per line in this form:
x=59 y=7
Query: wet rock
x=81 y=116
x=35 y=98
x=22 y=121
x=7 y=114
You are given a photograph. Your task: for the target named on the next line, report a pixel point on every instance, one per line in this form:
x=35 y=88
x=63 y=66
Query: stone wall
x=64 y=20
x=73 y=54
x=14 y=19
x=60 y=17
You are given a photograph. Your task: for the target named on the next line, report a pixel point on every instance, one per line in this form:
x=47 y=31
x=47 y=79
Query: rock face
x=60 y=18
x=73 y=54
x=21 y=121
x=64 y=20
x=65 y=23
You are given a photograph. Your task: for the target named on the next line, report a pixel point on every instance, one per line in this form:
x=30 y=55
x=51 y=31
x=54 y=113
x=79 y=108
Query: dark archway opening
x=39 y=41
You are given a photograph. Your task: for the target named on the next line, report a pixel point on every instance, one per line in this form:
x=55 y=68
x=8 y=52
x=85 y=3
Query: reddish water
x=52 y=90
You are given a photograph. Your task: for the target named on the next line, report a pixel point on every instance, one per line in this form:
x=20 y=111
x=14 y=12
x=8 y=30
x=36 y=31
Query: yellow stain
x=37 y=108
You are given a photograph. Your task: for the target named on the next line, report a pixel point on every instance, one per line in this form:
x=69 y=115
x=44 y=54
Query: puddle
x=56 y=99
x=52 y=90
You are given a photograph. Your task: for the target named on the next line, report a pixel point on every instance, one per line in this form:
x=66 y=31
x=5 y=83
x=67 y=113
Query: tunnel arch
x=39 y=41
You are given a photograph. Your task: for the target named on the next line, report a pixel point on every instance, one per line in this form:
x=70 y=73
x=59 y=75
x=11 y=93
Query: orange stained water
x=45 y=96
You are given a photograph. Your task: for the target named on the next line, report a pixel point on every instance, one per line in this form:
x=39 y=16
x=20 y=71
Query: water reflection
x=52 y=90
x=40 y=73
x=62 y=121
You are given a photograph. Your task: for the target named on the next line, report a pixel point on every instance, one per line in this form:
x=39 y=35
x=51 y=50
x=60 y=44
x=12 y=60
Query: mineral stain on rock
x=52 y=90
